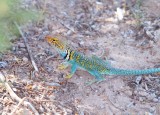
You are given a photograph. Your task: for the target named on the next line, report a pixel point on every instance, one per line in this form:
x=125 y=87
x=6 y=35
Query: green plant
x=138 y=14
x=12 y=11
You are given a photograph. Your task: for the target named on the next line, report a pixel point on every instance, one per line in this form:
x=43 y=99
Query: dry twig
x=22 y=100
x=15 y=97
x=122 y=109
x=67 y=26
x=27 y=46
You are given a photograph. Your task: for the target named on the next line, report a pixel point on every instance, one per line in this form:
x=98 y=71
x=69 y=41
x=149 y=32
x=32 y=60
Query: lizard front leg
x=73 y=70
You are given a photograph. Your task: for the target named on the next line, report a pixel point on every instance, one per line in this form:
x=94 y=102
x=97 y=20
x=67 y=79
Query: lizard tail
x=115 y=71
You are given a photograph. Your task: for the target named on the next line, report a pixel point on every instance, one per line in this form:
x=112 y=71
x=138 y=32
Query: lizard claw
x=88 y=83
x=68 y=76
x=99 y=81
x=95 y=81
x=62 y=66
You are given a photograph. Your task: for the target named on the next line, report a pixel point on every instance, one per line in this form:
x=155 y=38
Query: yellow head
x=56 y=42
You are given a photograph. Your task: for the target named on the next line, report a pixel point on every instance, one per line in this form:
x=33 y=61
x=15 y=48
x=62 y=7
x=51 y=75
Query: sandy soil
x=92 y=28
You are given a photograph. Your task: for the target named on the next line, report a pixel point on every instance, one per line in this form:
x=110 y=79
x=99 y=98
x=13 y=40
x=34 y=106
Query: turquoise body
x=98 y=67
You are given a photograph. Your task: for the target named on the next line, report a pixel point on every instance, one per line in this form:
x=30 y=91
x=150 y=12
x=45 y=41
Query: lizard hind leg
x=98 y=78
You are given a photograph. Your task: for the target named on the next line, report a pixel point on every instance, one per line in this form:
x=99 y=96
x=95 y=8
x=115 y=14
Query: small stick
x=27 y=46
x=115 y=105
x=14 y=96
x=69 y=28
x=72 y=29
x=22 y=100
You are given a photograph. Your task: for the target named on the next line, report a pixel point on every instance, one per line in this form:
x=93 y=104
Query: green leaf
x=4 y=43
x=12 y=11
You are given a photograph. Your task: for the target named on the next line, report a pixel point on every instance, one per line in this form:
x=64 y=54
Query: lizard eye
x=53 y=40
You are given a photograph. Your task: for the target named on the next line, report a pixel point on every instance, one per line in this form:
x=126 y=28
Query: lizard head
x=61 y=48
x=56 y=42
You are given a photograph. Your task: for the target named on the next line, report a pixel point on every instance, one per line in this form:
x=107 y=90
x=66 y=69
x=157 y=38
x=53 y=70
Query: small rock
x=157 y=34
x=14 y=48
x=138 y=79
x=23 y=112
x=81 y=43
x=1 y=106
x=48 y=52
x=34 y=87
x=143 y=93
x=120 y=13
x=155 y=100
x=14 y=89
x=128 y=92
x=69 y=32
x=41 y=109
x=151 y=96
x=19 y=52
x=158 y=109
x=109 y=27
x=25 y=59
x=152 y=109
x=49 y=69
x=99 y=6
x=3 y=64
x=21 y=45
x=102 y=106
x=141 y=99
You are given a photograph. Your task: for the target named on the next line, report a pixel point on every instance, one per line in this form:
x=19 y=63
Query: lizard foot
x=68 y=76
x=62 y=66
x=90 y=82
x=101 y=80
x=94 y=81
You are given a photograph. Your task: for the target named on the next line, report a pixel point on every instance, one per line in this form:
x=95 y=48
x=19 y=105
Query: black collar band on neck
x=65 y=55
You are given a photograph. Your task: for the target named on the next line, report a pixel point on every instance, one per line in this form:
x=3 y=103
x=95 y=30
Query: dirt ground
x=93 y=28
